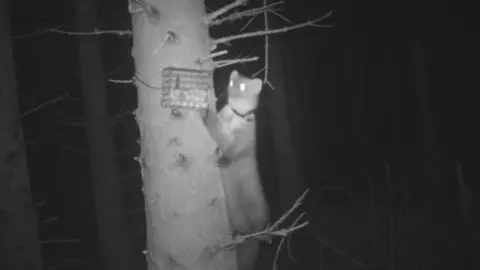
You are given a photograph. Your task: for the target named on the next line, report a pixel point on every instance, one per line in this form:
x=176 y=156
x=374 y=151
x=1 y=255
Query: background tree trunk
x=354 y=57
x=114 y=241
x=426 y=122
x=185 y=211
x=19 y=241
x=288 y=173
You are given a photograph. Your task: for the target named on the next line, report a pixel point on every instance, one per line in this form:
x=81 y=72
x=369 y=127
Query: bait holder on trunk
x=186 y=88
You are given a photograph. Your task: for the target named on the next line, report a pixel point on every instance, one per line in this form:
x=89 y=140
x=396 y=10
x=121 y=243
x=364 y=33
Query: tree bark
x=115 y=247
x=19 y=240
x=185 y=208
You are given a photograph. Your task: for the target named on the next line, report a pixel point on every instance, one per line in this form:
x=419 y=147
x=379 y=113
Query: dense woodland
x=369 y=111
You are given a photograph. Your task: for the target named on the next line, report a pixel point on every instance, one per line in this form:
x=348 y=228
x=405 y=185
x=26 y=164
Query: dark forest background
x=357 y=100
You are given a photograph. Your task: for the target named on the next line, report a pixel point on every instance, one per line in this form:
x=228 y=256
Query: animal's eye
x=242 y=87
x=230 y=83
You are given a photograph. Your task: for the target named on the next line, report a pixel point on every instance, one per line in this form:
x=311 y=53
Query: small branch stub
x=186 y=88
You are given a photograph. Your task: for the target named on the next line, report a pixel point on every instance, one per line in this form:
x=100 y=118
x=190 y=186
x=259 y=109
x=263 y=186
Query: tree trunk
x=19 y=241
x=355 y=72
x=289 y=178
x=427 y=126
x=114 y=243
x=185 y=208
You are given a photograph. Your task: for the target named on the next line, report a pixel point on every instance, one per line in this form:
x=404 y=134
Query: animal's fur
x=233 y=128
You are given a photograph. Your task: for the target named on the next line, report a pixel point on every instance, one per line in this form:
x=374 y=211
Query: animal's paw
x=265 y=238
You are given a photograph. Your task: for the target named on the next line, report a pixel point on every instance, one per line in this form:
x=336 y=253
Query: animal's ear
x=256 y=85
x=234 y=75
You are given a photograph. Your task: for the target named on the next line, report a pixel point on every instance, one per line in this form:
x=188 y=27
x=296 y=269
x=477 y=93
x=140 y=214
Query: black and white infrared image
x=239 y=135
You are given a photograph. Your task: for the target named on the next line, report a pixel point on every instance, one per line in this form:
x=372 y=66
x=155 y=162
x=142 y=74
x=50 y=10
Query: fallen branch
x=274 y=31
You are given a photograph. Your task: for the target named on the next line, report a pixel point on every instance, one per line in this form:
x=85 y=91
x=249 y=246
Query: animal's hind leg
x=253 y=204
x=236 y=215
x=247 y=254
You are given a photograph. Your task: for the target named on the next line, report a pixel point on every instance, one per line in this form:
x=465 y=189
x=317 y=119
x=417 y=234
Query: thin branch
x=121 y=81
x=265 y=21
x=270 y=231
x=138 y=79
x=295 y=206
x=248 y=23
x=246 y=13
x=277 y=253
x=121 y=113
x=258 y=72
x=68 y=147
x=46 y=103
x=37 y=33
x=224 y=63
x=280 y=16
x=60 y=241
x=275 y=31
x=95 y=32
x=213 y=55
x=212 y=16
x=352 y=260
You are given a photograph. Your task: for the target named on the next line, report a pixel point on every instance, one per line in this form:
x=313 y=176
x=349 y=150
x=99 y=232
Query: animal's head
x=243 y=92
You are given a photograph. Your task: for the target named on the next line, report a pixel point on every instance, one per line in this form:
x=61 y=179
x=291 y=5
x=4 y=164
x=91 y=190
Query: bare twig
x=280 y=16
x=46 y=103
x=212 y=16
x=258 y=72
x=121 y=113
x=248 y=23
x=295 y=206
x=95 y=32
x=265 y=21
x=246 y=13
x=60 y=241
x=212 y=55
x=138 y=79
x=274 y=31
x=224 y=63
x=271 y=230
x=68 y=147
x=121 y=81
x=277 y=253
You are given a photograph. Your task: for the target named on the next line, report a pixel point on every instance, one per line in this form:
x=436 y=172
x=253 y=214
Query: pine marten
x=233 y=129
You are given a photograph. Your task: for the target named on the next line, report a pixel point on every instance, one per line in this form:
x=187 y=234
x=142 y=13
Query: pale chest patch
x=230 y=122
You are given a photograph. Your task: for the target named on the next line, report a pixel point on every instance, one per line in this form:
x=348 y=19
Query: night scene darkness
x=235 y=134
